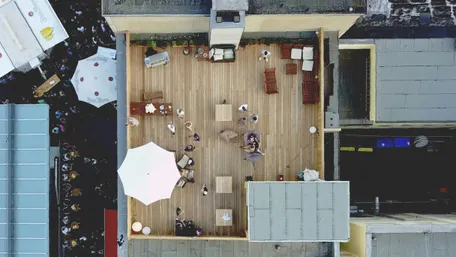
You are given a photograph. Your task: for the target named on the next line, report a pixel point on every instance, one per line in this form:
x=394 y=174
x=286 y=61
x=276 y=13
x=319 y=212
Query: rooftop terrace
x=202 y=7
x=196 y=87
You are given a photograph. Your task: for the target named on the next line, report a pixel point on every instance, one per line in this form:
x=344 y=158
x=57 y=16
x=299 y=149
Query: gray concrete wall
x=121 y=139
x=197 y=248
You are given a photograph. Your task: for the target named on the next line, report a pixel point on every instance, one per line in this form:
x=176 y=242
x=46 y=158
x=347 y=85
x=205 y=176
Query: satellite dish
x=421 y=141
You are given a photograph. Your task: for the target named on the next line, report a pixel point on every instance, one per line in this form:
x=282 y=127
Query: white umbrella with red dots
x=95 y=80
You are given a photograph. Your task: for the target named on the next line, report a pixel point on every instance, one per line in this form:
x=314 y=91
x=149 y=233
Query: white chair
x=307 y=53
x=296 y=54
x=307 y=65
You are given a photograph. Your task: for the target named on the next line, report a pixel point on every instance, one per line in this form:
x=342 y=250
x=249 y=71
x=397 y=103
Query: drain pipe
x=377 y=206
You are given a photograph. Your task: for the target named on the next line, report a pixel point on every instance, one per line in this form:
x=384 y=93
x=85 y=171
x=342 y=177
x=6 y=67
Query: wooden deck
x=196 y=87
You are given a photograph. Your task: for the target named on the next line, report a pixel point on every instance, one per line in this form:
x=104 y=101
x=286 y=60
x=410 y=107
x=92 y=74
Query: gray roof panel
x=416 y=80
x=414 y=244
x=298 y=211
x=24 y=168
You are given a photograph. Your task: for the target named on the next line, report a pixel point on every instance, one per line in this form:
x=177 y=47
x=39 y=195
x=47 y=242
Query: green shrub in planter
x=152 y=43
x=181 y=42
x=174 y=43
x=243 y=43
x=268 y=41
x=252 y=41
x=191 y=42
x=162 y=43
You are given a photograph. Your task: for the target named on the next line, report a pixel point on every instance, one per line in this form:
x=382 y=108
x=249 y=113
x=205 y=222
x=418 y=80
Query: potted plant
x=162 y=43
x=152 y=43
x=243 y=43
x=252 y=42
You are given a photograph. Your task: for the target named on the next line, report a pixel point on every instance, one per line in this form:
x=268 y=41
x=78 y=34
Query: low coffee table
x=224 y=184
x=223 y=112
x=220 y=221
x=291 y=68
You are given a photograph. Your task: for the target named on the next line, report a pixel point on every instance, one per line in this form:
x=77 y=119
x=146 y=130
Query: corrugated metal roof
x=298 y=211
x=24 y=180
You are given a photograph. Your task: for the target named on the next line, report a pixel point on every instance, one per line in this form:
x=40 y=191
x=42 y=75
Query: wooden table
x=224 y=184
x=219 y=213
x=139 y=108
x=223 y=112
x=291 y=68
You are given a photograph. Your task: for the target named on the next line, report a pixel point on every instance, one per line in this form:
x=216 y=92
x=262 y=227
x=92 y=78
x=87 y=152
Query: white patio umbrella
x=149 y=173
x=95 y=80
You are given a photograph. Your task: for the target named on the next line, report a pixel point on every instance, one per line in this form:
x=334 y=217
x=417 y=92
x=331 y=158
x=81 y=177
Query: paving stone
x=446 y=72
x=390 y=100
x=407 y=45
x=399 y=87
x=421 y=45
x=435 y=44
x=448 y=44
x=415 y=59
x=405 y=73
x=438 y=86
x=393 y=45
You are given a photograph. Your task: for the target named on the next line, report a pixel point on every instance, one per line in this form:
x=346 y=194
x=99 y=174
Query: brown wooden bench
x=151 y=96
x=139 y=108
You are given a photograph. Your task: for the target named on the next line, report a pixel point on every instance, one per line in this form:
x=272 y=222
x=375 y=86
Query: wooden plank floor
x=196 y=87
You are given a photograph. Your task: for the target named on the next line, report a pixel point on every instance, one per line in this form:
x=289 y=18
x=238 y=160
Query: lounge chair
x=270 y=82
x=181 y=182
x=285 y=51
x=183 y=161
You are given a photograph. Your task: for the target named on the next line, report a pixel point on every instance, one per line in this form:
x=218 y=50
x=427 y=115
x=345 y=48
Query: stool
x=291 y=69
x=136 y=227
x=146 y=231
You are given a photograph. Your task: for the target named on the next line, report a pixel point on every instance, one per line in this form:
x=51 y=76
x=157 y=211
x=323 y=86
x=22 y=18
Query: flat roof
x=203 y=7
x=413 y=244
x=317 y=211
x=24 y=180
x=17 y=38
x=416 y=80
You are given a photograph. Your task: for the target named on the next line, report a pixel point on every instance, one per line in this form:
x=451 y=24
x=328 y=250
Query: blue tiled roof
x=24 y=180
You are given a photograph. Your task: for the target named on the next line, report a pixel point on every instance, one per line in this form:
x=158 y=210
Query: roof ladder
x=10 y=183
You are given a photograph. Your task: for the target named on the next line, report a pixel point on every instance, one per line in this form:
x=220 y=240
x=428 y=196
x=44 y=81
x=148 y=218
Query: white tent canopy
x=149 y=173
x=16 y=37
x=27 y=29
x=43 y=22
x=95 y=80
x=5 y=62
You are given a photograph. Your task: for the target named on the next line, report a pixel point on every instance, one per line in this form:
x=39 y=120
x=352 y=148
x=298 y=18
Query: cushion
x=227 y=135
x=307 y=65
x=218 y=51
x=229 y=55
x=218 y=57
x=307 y=53
x=296 y=54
